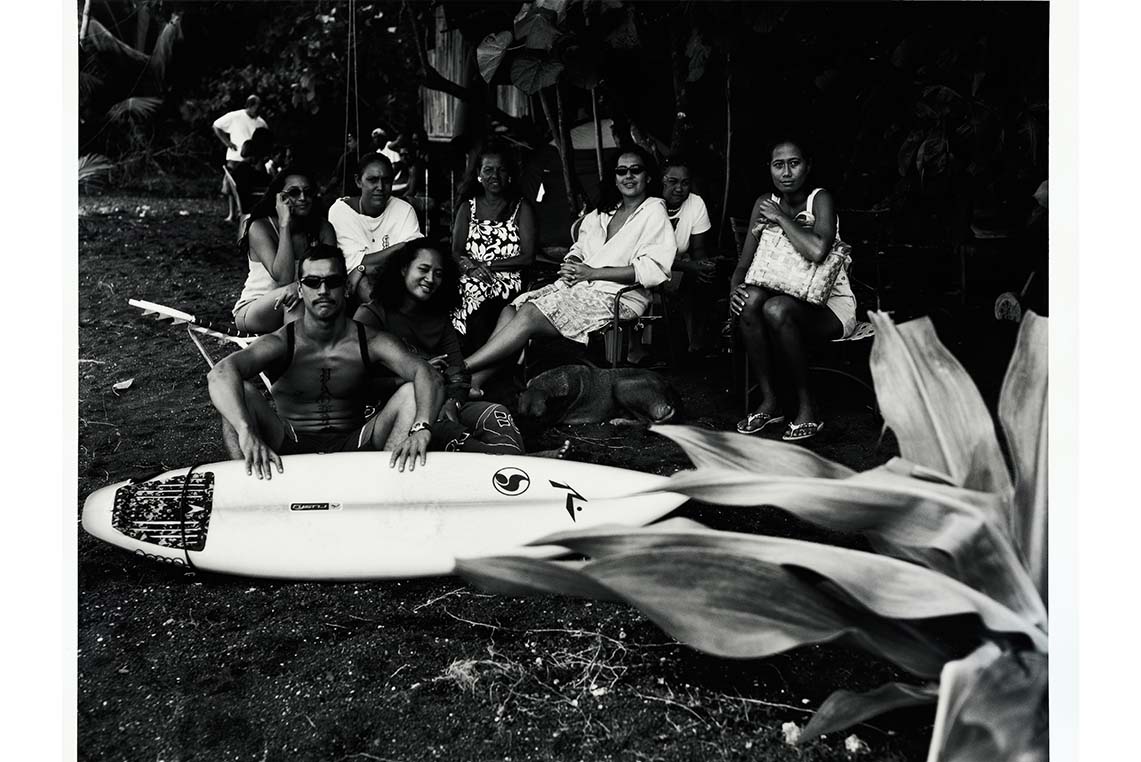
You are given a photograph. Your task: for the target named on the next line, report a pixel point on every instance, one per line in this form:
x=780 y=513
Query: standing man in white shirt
x=234 y=129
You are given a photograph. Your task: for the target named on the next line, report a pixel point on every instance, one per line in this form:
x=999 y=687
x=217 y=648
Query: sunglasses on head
x=332 y=281
x=296 y=192
x=636 y=169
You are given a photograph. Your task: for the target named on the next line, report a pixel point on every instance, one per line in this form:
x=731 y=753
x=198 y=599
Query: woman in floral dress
x=493 y=238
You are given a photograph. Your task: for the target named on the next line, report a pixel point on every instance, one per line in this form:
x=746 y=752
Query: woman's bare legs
x=265 y=314
x=791 y=324
x=511 y=334
x=754 y=334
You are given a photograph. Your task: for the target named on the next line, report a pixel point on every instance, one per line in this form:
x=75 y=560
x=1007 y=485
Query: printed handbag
x=778 y=266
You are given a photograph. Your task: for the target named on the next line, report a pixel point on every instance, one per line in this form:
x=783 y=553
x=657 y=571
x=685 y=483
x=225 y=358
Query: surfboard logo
x=571 y=507
x=511 y=481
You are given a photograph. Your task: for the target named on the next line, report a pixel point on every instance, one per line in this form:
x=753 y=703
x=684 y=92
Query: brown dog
x=581 y=394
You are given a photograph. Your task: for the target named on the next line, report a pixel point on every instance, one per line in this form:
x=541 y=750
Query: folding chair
x=870 y=223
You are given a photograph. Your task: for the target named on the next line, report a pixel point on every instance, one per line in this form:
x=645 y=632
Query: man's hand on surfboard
x=259 y=458
x=415 y=446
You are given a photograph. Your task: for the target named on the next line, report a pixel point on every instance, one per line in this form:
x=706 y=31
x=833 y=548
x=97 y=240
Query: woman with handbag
x=790 y=288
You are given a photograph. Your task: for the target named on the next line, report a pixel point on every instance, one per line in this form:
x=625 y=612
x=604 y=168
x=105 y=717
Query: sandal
x=755 y=423
x=798 y=431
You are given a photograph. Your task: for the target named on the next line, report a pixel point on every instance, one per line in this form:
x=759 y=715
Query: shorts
x=308 y=442
x=575 y=311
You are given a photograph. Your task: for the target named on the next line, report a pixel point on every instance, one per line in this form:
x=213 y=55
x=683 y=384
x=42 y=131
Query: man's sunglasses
x=296 y=192
x=637 y=169
x=332 y=281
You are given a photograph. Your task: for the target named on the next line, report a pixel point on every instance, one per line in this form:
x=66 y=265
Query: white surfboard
x=349 y=516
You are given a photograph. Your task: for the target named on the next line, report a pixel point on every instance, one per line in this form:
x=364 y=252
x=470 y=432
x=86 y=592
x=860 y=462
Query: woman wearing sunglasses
x=413 y=299
x=625 y=240
x=282 y=225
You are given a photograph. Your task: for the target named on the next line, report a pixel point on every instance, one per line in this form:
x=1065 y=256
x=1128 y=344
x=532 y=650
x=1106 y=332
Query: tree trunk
x=142 y=26
x=728 y=148
x=571 y=176
x=681 y=98
x=86 y=18
x=564 y=150
x=597 y=134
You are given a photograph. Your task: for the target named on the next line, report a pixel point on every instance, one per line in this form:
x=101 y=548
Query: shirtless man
x=319 y=367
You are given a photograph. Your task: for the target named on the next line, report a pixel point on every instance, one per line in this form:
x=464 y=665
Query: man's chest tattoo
x=325 y=398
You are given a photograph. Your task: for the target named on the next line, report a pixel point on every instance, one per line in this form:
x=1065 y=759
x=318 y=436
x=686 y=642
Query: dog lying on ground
x=581 y=394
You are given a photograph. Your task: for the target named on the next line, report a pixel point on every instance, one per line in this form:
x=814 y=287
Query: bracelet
x=420 y=426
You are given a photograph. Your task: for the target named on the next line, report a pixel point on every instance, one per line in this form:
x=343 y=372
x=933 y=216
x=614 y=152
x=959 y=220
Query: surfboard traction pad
x=152 y=511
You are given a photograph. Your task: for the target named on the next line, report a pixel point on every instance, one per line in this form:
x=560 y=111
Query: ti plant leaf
x=929 y=401
x=844 y=708
x=1023 y=409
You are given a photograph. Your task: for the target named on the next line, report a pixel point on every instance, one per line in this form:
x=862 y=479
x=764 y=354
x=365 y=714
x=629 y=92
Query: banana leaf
x=929 y=401
x=744 y=608
x=844 y=708
x=762 y=456
x=965 y=528
x=1023 y=410
x=887 y=586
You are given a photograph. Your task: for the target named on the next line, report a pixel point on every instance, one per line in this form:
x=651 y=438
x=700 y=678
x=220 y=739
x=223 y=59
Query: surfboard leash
x=183 y=506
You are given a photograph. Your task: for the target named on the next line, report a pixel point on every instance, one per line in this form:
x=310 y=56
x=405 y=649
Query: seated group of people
x=359 y=309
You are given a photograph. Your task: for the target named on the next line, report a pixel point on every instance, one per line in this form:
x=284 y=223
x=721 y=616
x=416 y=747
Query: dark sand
x=185 y=666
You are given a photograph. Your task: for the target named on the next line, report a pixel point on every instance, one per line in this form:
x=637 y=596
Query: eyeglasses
x=331 y=281
x=637 y=169
x=296 y=192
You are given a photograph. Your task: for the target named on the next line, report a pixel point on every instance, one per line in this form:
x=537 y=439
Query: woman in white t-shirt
x=693 y=274
x=373 y=226
x=625 y=240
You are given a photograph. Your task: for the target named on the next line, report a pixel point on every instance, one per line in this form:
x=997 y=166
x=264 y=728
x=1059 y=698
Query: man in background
x=234 y=129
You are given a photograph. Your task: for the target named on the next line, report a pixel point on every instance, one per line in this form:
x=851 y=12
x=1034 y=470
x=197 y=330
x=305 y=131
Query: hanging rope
x=351 y=86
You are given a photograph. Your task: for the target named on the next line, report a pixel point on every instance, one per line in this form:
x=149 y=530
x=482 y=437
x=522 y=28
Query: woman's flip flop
x=798 y=431
x=755 y=423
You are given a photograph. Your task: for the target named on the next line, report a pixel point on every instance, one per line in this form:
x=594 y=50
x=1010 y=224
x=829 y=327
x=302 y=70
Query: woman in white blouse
x=627 y=239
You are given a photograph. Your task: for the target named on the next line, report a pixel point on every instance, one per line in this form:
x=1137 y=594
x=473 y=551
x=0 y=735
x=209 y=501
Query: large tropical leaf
x=1023 y=409
x=844 y=708
x=965 y=529
x=992 y=705
x=929 y=401
x=532 y=73
x=491 y=52
x=720 y=449
x=134 y=107
x=743 y=608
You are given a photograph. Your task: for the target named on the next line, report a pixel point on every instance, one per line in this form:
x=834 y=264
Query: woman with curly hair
x=413 y=299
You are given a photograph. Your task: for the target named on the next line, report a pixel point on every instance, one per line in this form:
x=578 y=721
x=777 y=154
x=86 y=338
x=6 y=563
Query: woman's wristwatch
x=420 y=426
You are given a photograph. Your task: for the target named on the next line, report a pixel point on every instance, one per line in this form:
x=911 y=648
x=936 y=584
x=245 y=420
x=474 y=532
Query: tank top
x=258 y=280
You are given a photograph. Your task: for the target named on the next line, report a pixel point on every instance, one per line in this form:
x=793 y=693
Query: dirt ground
x=178 y=665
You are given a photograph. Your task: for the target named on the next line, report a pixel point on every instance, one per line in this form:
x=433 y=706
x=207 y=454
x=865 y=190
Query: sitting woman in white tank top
x=283 y=224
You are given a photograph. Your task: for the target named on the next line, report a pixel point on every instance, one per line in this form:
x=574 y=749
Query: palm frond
x=164 y=47
x=93 y=166
x=102 y=40
x=134 y=108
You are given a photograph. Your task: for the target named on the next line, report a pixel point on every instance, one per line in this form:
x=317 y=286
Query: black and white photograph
x=562 y=380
